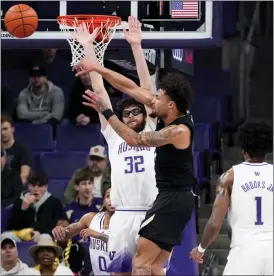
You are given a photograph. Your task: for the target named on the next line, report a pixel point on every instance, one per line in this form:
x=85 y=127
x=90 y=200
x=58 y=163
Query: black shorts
x=166 y=220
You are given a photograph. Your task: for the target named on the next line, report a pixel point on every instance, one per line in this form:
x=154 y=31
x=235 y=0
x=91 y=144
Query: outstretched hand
x=134 y=33
x=196 y=256
x=83 y=36
x=89 y=62
x=95 y=101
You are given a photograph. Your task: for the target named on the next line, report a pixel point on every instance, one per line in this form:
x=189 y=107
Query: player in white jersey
x=246 y=190
x=95 y=226
x=133 y=185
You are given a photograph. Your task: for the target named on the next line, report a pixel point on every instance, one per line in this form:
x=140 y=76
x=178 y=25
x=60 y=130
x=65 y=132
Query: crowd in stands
x=33 y=211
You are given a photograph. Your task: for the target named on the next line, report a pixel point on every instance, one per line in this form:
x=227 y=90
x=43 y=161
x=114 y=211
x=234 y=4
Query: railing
x=207 y=271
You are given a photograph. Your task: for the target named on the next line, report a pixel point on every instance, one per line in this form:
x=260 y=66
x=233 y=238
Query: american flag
x=185 y=9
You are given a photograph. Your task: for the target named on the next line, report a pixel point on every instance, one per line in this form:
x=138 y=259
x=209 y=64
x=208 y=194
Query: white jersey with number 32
x=251 y=210
x=98 y=250
x=132 y=170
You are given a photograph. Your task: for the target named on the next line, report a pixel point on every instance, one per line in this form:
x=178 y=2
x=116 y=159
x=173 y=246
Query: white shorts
x=124 y=227
x=252 y=258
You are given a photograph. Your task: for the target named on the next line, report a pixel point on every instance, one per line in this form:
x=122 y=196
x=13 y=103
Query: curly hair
x=121 y=105
x=256 y=138
x=178 y=88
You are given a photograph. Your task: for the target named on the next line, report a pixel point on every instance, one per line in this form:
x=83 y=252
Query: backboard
x=161 y=28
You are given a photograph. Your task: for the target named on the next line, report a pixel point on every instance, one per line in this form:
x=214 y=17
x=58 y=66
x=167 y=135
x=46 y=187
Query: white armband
x=200 y=249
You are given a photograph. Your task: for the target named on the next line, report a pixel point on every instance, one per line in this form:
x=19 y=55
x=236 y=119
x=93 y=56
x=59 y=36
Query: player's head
x=131 y=113
x=107 y=203
x=256 y=140
x=174 y=95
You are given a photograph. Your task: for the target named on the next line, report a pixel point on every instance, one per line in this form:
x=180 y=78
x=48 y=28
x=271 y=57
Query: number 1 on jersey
x=258 y=210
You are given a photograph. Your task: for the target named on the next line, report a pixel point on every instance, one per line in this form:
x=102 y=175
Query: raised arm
x=178 y=135
x=121 y=83
x=134 y=37
x=86 y=40
x=65 y=233
x=99 y=88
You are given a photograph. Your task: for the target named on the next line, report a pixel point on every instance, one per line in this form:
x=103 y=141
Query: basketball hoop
x=107 y=26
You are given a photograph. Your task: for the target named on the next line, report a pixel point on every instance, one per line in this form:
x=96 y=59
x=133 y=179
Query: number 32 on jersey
x=134 y=164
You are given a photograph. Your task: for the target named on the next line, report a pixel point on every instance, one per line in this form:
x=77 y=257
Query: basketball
x=21 y=21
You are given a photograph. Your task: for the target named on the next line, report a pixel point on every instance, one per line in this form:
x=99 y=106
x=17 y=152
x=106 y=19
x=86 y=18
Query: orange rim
x=97 y=20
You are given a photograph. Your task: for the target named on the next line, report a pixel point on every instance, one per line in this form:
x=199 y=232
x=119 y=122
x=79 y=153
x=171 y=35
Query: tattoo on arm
x=158 y=138
x=103 y=237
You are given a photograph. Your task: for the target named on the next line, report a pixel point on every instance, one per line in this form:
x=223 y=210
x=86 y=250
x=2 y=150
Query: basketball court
x=160 y=30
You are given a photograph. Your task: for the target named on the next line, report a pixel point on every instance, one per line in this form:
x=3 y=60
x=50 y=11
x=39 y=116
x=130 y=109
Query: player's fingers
x=92 y=96
x=125 y=32
x=134 y=21
x=94 y=106
x=138 y=25
x=87 y=104
x=83 y=234
x=89 y=97
x=82 y=72
x=53 y=233
x=129 y=22
x=95 y=32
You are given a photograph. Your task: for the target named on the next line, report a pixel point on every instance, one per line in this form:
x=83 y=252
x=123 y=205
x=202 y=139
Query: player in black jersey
x=161 y=230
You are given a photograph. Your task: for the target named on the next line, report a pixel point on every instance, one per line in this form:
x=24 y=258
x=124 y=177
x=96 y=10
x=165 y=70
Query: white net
x=105 y=34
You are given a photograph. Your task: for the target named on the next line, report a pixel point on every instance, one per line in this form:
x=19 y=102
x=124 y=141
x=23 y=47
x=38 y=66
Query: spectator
x=18 y=156
x=85 y=202
x=49 y=55
x=77 y=112
x=73 y=252
x=45 y=254
x=10 y=263
x=97 y=165
x=36 y=212
x=57 y=65
x=11 y=186
x=42 y=101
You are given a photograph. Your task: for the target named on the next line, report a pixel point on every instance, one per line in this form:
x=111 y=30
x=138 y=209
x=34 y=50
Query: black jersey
x=174 y=167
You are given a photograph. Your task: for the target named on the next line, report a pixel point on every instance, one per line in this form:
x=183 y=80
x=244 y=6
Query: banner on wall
x=182 y=60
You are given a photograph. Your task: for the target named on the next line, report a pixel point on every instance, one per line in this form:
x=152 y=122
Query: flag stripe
x=184 y=9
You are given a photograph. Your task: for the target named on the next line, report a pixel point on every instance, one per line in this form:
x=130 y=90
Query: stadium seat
x=77 y=138
x=202 y=137
x=60 y=165
x=23 y=253
x=4 y=218
x=35 y=137
x=57 y=187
